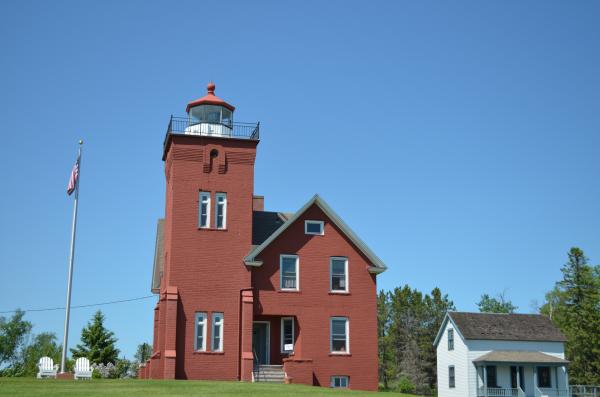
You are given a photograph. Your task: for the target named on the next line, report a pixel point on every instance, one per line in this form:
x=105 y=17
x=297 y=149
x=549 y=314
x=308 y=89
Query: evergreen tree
x=98 y=343
x=386 y=369
x=143 y=352
x=574 y=306
x=408 y=322
x=437 y=305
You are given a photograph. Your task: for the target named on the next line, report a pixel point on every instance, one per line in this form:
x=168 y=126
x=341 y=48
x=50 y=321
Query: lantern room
x=210 y=115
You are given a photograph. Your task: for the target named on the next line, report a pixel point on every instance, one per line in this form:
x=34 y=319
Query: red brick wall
x=206 y=265
x=298 y=371
x=313 y=305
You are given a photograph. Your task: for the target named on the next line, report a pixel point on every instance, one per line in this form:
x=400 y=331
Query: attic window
x=314 y=227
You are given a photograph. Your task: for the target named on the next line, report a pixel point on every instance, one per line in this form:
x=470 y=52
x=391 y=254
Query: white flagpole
x=71 y=258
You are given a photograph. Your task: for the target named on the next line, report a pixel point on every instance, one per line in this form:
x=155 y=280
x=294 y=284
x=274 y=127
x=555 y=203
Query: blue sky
x=460 y=140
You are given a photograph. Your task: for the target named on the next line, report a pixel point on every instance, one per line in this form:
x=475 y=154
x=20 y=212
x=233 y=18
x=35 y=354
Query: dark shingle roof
x=519 y=327
x=264 y=223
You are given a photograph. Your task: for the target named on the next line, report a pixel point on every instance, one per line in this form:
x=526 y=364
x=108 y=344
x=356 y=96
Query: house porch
x=521 y=374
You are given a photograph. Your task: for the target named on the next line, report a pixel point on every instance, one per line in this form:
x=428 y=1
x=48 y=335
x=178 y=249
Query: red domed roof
x=209 y=99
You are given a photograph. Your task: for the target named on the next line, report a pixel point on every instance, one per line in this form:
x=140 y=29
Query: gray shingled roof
x=514 y=356
x=520 y=327
x=264 y=223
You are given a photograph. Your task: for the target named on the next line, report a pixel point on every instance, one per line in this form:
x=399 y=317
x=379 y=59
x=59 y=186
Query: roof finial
x=211 y=88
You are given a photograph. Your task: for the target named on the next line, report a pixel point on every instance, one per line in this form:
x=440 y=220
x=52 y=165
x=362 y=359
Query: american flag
x=73 y=179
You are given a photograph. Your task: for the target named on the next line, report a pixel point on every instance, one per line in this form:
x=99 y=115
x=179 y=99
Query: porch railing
x=501 y=392
x=585 y=391
x=548 y=392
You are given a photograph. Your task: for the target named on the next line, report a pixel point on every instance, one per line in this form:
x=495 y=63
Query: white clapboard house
x=489 y=355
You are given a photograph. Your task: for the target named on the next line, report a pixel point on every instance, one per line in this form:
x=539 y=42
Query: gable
x=376 y=264
x=446 y=323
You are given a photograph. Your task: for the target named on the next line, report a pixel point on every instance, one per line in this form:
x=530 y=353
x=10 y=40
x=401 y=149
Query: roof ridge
x=499 y=314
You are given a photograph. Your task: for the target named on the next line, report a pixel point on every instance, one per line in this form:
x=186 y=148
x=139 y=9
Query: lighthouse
x=248 y=294
x=207 y=230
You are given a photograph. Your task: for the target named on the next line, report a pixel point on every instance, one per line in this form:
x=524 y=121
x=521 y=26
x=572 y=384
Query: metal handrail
x=238 y=130
x=256 y=368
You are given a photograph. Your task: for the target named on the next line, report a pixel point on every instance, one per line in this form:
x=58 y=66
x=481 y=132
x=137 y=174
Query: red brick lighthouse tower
x=199 y=272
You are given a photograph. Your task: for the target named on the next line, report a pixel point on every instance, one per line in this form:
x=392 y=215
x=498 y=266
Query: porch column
x=476 y=381
x=247 y=359
x=535 y=382
x=171 y=298
x=519 y=376
x=566 y=377
x=556 y=379
x=485 y=387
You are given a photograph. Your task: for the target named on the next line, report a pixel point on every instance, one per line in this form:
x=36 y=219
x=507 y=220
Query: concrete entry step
x=269 y=373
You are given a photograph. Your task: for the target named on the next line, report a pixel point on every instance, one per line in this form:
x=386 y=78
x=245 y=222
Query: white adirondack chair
x=82 y=368
x=47 y=368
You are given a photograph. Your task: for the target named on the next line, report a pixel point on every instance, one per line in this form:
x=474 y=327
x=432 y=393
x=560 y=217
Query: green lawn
x=17 y=387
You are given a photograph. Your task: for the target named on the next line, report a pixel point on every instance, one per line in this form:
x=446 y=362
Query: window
x=221 y=210
x=288 y=270
x=287 y=334
x=543 y=375
x=450 y=339
x=339 y=335
x=492 y=381
x=313 y=227
x=204 y=213
x=339 y=381
x=200 y=344
x=217 y=332
x=338 y=268
x=451 y=377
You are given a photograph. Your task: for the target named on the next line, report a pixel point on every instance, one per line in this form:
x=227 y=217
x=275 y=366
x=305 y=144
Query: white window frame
x=283 y=319
x=450 y=339
x=347 y=287
x=204 y=198
x=224 y=205
x=451 y=379
x=221 y=326
x=340 y=378
x=281 y=272
x=321 y=223
x=331 y=320
x=203 y=324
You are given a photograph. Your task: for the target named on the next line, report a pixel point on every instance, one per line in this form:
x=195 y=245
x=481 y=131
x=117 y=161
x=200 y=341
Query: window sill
x=212 y=229
x=288 y=291
x=208 y=352
x=340 y=355
x=339 y=292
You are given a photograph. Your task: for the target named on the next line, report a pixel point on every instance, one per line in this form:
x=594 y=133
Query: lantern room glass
x=212 y=114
